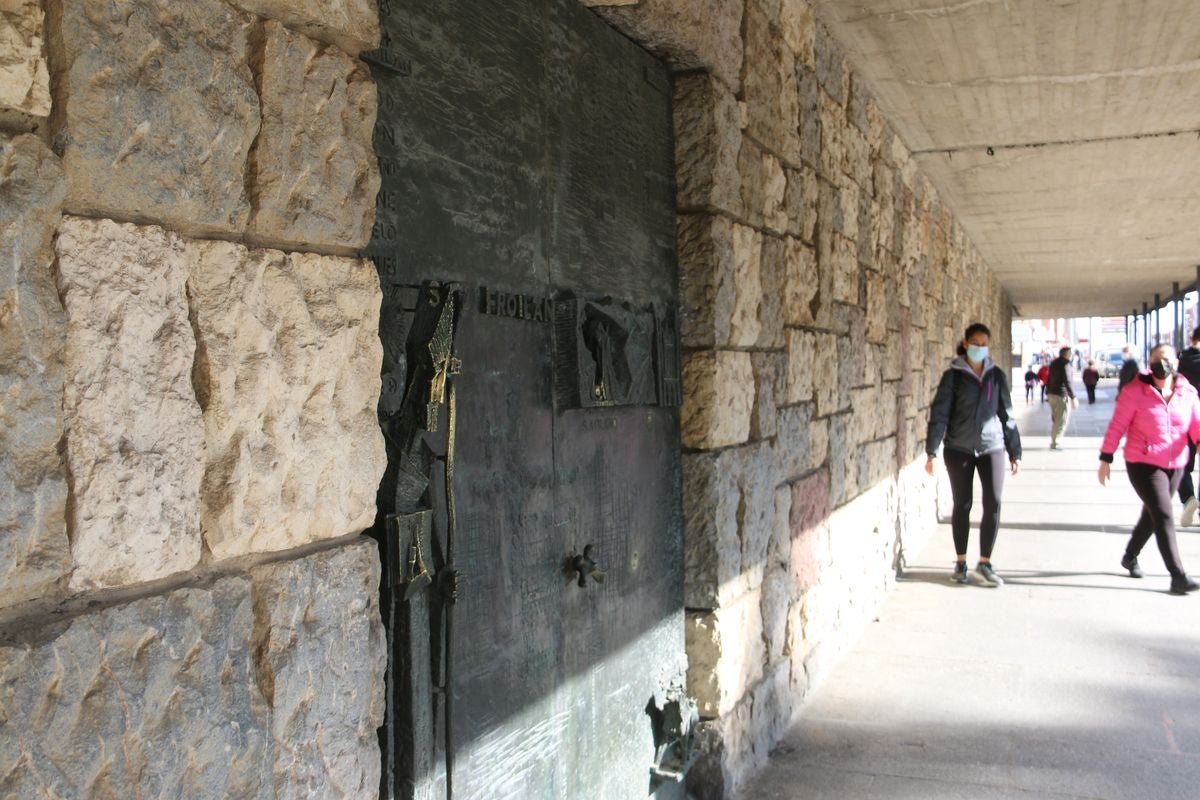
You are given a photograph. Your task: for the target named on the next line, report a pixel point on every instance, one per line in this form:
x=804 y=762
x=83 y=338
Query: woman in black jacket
x=972 y=412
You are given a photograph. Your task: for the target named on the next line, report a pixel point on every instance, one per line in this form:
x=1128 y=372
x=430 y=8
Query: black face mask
x=1162 y=369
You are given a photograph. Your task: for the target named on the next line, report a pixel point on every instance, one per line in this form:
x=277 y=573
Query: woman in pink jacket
x=1157 y=413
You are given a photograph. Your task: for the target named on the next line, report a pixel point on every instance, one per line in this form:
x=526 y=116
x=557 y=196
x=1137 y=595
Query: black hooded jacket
x=973 y=414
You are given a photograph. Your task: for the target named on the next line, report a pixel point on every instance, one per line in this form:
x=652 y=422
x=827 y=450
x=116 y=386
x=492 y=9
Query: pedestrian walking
x=1156 y=414
x=1189 y=367
x=1061 y=394
x=1043 y=378
x=1091 y=376
x=972 y=412
x=1031 y=381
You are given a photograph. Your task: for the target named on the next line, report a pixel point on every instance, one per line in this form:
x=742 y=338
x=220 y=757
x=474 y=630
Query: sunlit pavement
x=1071 y=681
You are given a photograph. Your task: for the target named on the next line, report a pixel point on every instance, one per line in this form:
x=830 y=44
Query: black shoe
x=1130 y=563
x=1182 y=584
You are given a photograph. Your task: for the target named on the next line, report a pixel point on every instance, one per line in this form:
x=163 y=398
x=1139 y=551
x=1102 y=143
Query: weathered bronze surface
x=525 y=153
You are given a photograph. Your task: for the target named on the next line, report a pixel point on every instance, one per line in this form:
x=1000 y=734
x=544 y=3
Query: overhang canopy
x=1064 y=134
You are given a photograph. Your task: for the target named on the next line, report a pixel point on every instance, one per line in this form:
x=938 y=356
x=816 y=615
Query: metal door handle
x=586 y=566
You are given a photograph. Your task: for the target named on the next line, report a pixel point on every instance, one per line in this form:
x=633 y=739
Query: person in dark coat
x=1189 y=367
x=1091 y=376
x=1061 y=394
x=1031 y=381
x=972 y=413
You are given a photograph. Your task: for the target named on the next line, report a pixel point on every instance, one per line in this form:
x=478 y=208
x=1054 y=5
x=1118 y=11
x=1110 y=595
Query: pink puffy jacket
x=1156 y=431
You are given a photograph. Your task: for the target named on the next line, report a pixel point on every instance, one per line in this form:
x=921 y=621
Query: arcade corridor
x=1071 y=681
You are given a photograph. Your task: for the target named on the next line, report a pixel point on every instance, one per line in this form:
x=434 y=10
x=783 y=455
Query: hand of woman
x=1102 y=474
x=1016 y=465
x=929 y=465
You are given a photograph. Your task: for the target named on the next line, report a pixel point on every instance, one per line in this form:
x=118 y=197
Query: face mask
x=976 y=353
x=1161 y=369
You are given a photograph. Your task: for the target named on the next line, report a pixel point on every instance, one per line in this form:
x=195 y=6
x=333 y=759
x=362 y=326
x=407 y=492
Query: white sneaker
x=1189 y=513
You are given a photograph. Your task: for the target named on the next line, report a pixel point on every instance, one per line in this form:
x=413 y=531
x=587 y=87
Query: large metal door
x=526 y=228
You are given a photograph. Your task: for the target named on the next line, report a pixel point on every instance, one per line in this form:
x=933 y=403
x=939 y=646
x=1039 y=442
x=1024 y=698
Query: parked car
x=1109 y=364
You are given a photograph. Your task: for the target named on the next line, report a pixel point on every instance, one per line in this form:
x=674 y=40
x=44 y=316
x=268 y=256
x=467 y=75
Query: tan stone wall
x=187 y=414
x=824 y=289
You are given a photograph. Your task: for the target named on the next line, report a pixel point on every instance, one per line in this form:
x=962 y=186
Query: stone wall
x=825 y=287
x=189 y=370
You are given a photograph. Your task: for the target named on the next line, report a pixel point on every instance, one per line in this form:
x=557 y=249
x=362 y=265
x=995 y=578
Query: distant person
x=1043 y=378
x=1129 y=368
x=1031 y=381
x=1061 y=394
x=1157 y=415
x=1091 y=376
x=972 y=411
x=1189 y=368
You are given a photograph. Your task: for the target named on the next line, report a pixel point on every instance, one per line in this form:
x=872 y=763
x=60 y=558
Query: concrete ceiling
x=1090 y=200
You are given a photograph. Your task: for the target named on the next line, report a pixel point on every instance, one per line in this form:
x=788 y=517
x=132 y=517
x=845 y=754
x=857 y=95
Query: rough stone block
x=844 y=269
x=34 y=552
x=315 y=176
x=801 y=350
x=856 y=157
x=832 y=72
x=769 y=86
x=772 y=710
x=805 y=295
x=24 y=79
x=811 y=117
x=720 y=282
x=776 y=601
x=320 y=656
x=780 y=547
x=753 y=179
x=352 y=25
x=770 y=382
x=772 y=278
x=809 y=526
x=134 y=439
x=157 y=111
x=726 y=654
x=877 y=309
x=799 y=31
x=157 y=698
x=287 y=374
x=802 y=202
x=833 y=148
x=802 y=443
x=708 y=139
x=718 y=399
x=775 y=216
x=263 y=689
x=687 y=34
x=728 y=506
x=828 y=391
x=712 y=562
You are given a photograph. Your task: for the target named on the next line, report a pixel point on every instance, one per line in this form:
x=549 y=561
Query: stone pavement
x=1072 y=681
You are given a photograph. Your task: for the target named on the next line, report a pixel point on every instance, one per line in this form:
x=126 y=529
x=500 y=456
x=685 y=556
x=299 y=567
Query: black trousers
x=1091 y=390
x=961 y=467
x=1187 y=489
x=1155 y=487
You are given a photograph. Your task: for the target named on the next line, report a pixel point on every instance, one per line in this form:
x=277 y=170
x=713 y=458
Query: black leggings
x=961 y=469
x=1155 y=486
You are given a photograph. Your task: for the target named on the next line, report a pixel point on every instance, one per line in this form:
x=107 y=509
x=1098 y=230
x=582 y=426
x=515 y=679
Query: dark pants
x=1029 y=392
x=1091 y=390
x=1187 y=490
x=961 y=468
x=1155 y=486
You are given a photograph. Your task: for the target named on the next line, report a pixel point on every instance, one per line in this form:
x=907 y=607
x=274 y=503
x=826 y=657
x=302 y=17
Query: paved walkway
x=1072 y=681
